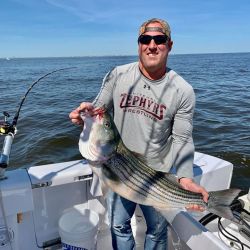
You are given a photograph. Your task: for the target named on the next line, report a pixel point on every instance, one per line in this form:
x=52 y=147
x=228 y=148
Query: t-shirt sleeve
x=182 y=134
x=105 y=95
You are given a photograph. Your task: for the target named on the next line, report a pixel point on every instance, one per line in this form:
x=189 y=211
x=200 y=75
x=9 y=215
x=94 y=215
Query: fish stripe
x=157 y=188
x=143 y=184
x=162 y=180
x=126 y=177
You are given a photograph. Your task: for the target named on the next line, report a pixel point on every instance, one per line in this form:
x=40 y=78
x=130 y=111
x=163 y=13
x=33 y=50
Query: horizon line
x=172 y=54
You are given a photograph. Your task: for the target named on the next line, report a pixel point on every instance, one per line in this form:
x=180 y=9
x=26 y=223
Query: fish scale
x=134 y=181
x=127 y=173
x=149 y=182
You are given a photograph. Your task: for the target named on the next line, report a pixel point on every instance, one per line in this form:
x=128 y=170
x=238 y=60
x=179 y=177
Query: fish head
x=100 y=138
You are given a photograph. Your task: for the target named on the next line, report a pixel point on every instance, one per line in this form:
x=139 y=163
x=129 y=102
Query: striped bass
x=126 y=173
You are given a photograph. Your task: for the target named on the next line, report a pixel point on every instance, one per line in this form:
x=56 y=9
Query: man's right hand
x=75 y=114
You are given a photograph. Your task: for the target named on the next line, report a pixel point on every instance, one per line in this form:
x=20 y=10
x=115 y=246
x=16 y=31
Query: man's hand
x=190 y=185
x=75 y=114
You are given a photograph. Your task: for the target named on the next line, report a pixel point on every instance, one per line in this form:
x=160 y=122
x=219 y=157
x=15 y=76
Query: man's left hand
x=190 y=185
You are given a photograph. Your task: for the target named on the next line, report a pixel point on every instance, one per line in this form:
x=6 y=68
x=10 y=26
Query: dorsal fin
x=122 y=149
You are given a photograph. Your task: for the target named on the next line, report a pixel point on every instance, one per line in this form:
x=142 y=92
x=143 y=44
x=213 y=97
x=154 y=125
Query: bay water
x=46 y=135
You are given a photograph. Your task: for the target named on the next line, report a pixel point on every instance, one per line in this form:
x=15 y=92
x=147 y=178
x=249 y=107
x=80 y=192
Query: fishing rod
x=8 y=129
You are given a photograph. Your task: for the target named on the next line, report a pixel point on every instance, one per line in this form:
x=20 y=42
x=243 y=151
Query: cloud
x=103 y=10
x=87 y=11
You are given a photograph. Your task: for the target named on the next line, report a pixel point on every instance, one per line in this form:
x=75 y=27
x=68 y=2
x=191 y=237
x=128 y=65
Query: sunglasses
x=146 y=39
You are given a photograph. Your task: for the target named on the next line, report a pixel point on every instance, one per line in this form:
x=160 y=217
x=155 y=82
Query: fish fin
x=139 y=157
x=219 y=202
x=104 y=189
x=222 y=211
x=223 y=197
x=168 y=213
x=122 y=149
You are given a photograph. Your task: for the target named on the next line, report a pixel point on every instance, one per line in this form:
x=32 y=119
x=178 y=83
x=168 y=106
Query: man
x=153 y=110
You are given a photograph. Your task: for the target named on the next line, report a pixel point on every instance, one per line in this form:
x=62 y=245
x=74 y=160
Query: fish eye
x=107 y=124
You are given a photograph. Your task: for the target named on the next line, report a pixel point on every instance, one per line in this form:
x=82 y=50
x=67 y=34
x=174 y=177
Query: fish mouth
x=94 y=112
x=99 y=111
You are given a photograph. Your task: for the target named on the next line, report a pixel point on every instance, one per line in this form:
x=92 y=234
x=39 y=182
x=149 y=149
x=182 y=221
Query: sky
x=58 y=28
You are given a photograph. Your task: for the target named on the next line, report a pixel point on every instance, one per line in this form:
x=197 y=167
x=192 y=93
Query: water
x=46 y=135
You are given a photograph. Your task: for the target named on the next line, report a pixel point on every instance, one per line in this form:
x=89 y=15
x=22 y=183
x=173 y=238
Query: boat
x=33 y=200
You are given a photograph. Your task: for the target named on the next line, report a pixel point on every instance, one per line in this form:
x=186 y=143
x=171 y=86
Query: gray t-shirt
x=154 y=118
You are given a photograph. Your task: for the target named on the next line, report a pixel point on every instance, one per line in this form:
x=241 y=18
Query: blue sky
x=44 y=28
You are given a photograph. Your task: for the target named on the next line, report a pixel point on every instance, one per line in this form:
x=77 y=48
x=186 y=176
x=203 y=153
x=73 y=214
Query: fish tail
x=219 y=202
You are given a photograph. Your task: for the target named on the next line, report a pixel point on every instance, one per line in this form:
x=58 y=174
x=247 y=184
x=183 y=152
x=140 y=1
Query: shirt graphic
x=141 y=104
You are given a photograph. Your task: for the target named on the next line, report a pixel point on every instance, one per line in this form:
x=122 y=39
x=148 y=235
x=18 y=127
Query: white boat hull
x=34 y=199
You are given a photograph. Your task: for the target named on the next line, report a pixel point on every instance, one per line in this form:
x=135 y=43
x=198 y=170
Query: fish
x=126 y=173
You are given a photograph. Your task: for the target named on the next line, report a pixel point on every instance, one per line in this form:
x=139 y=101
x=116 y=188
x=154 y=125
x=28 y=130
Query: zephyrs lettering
x=143 y=103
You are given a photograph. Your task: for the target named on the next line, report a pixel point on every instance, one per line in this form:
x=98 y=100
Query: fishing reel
x=5 y=126
x=8 y=130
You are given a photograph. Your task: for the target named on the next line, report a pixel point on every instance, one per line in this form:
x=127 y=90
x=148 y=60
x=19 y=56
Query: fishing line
x=9 y=129
x=15 y=119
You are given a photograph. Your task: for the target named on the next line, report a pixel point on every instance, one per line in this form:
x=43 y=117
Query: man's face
x=153 y=57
